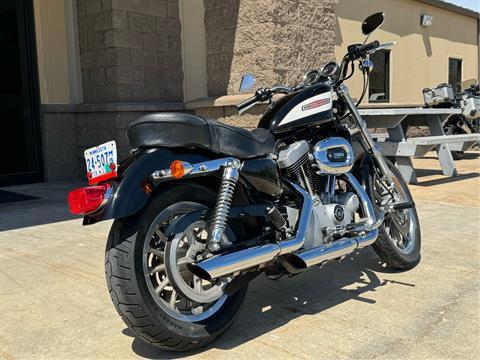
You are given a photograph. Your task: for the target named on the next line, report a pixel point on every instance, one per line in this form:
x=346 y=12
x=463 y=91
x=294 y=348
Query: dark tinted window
x=454 y=71
x=378 y=87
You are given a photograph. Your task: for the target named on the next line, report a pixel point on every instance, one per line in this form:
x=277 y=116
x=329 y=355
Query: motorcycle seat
x=183 y=130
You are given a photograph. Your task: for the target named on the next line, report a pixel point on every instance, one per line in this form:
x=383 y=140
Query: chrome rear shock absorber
x=222 y=207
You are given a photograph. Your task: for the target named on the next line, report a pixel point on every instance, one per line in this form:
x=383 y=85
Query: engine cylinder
x=295 y=161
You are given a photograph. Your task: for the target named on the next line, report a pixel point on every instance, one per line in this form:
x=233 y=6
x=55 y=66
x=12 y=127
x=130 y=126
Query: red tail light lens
x=85 y=200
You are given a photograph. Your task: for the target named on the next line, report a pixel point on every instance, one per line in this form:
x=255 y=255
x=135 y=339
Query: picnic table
x=402 y=149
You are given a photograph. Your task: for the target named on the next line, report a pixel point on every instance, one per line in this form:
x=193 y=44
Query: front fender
x=128 y=196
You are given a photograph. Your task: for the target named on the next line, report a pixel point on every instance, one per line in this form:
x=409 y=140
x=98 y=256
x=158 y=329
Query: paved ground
x=54 y=302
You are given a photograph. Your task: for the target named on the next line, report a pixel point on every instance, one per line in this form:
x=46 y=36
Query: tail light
x=86 y=200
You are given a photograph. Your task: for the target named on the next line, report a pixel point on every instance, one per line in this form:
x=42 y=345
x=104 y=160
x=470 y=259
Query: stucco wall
x=130 y=50
x=275 y=40
x=421 y=57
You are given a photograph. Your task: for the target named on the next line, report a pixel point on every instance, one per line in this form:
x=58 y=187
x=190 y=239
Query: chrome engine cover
x=330 y=219
x=333 y=155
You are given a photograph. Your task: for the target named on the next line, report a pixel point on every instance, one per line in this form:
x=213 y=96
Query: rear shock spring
x=222 y=207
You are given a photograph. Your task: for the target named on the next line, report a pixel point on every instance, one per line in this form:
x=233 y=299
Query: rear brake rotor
x=187 y=247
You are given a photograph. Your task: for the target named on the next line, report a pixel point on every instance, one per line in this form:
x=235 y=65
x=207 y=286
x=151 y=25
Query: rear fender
x=129 y=195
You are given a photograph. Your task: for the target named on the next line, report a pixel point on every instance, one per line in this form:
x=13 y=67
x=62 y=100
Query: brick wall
x=277 y=40
x=130 y=50
x=59 y=145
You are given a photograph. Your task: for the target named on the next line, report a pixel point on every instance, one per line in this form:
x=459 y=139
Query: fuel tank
x=311 y=106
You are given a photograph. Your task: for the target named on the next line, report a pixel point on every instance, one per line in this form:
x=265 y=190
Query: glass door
x=20 y=156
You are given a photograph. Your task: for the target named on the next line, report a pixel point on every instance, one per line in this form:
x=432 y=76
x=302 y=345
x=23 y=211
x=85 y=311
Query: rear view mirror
x=245 y=83
x=372 y=23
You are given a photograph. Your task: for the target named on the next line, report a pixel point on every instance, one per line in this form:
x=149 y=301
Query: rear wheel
x=399 y=239
x=156 y=295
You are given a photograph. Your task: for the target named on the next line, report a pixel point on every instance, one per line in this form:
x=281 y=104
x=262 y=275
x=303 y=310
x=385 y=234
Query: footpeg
x=402 y=206
x=276 y=218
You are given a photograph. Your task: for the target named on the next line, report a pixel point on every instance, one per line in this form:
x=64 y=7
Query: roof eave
x=452 y=7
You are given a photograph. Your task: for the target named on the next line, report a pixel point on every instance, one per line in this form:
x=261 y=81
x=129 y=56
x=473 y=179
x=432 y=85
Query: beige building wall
x=194 y=52
x=421 y=57
x=57 y=51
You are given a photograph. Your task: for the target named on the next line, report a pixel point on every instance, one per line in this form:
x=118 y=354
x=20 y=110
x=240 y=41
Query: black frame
x=28 y=58
x=386 y=81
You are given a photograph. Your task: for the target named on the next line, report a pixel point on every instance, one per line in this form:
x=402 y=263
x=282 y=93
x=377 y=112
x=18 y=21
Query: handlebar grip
x=247 y=102
x=370 y=46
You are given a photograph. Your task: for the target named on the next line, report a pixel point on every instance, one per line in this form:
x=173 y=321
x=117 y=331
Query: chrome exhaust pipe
x=462 y=125
x=230 y=263
x=304 y=259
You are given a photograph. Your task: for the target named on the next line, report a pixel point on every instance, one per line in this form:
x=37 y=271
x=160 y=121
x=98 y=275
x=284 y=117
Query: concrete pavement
x=54 y=303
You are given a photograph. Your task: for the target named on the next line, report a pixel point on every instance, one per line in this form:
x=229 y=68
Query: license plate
x=101 y=162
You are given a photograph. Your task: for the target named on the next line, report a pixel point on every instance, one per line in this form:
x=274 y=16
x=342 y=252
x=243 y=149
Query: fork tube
x=367 y=138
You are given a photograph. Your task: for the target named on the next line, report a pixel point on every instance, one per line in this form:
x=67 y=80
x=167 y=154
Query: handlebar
x=247 y=103
x=365 y=49
x=357 y=51
x=263 y=94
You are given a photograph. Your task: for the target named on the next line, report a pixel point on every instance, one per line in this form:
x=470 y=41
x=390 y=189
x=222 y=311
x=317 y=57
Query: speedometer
x=330 y=70
x=311 y=77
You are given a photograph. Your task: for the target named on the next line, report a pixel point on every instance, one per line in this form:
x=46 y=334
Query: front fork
x=368 y=141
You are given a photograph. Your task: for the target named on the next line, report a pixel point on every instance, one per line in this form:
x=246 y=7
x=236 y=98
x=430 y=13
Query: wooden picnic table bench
x=398 y=146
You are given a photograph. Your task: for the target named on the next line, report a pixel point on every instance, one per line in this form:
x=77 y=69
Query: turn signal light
x=86 y=200
x=177 y=169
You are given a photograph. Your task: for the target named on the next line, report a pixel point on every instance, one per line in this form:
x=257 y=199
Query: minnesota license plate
x=101 y=162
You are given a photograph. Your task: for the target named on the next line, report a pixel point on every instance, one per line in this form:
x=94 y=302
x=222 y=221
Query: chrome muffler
x=230 y=263
x=301 y=260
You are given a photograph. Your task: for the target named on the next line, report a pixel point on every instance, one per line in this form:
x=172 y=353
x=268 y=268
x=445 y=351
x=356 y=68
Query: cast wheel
x=156 y=295
x=399 y=239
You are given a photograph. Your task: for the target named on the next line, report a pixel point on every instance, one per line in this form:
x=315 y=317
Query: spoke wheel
x=173 y=287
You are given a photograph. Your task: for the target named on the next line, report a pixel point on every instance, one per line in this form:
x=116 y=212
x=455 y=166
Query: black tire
x=451 y=129
x=384 y=246
x=129 y=291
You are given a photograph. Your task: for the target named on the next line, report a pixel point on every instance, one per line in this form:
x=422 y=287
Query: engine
x=316 y=172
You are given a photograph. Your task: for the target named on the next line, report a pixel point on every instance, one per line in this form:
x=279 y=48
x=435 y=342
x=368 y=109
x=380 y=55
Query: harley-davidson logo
x=315 y=104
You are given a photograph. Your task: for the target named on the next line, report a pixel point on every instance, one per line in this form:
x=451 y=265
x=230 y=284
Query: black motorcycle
x=202 y=208
x=464 y=95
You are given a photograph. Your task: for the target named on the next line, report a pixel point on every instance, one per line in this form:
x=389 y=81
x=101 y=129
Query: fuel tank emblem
x=315 y=104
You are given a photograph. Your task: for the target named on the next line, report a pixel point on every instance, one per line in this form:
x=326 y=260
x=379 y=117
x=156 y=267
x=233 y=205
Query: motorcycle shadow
x=272 y=304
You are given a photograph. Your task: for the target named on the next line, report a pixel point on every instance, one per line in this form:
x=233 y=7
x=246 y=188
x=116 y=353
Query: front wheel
x=399 y=239
x=156 y=295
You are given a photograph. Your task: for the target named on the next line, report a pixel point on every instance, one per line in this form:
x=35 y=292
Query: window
x=454 y=71
x=378 y=87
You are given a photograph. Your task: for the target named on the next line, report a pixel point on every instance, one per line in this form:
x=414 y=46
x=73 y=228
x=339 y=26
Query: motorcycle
x=464 y=95
x=202 y=208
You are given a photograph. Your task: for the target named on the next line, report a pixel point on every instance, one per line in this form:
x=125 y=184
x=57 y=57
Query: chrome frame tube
x=365 y=201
